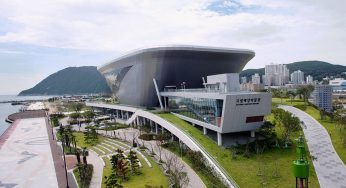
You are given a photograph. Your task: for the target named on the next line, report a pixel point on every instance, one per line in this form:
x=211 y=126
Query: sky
x=40 y=37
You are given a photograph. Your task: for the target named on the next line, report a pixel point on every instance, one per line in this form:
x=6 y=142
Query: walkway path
x=195 y=180
x=96 y=161
x=330 y=169
x=25 y=157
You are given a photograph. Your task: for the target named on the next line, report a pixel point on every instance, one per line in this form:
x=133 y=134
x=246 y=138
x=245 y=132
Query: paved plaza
x=25 y=157
x=330 y=169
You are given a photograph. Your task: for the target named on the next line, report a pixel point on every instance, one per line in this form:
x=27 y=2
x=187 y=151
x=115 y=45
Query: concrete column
x=127 y=115
x=151 y=125
x=205 y=130
x=219 y=139
x=118 y=114
x=137 y=120
x=165 y=101
x=252 y=134
x=156 y=129
x=163 y=130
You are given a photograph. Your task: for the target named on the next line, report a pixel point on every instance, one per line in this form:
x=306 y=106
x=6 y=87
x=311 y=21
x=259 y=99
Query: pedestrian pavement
x=97 y=163
x=25 y=157
x=330 y=169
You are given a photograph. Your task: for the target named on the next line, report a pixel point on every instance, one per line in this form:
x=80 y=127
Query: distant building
x=251 y=87
x=309 y=79
x=256 y=79
x=338 y=84
x=322 y=97
x=276 y=75
x=297 y=77
x=243 y=80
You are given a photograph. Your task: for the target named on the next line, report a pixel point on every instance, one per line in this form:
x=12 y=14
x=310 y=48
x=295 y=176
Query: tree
x=74 y=116
x=78 y=156
x=112 y=181
x=134 y=162
x=267 y=129
x=89 y=115
x=115 y=158
x=93 y=134
x=292 y=95
x=306 y=91
x=159 y=143
x=85 y=154
x=122 y=168
x=289 y=122
x=134 y=138
x=77 y=106
x=87 y=136
x=176 y=172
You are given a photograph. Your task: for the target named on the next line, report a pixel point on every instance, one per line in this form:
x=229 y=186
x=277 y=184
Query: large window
x=253 y=119
x=115 y=77
x=206 y=110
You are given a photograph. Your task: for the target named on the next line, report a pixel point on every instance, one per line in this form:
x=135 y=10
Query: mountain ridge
x=71 y=81
x=317 y=69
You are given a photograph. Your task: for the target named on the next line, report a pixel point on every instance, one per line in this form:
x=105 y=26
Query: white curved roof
x=180 y=47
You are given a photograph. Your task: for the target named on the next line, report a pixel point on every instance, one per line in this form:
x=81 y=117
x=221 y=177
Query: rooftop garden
x=270 y=168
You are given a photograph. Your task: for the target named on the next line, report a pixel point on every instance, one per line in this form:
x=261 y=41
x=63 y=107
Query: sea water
x=7 y=109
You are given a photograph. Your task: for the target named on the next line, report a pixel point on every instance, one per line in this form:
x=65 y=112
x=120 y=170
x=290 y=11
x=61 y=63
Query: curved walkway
x=126 y=134
x=188 y=140
x=330 y=169
x=96 y=179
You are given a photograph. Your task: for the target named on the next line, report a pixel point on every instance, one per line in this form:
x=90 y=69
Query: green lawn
x=150 y=176
x=245 y=170
x=330 y=126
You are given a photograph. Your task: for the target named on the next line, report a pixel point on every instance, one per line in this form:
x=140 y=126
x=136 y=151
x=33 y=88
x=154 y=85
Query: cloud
x=279 y=31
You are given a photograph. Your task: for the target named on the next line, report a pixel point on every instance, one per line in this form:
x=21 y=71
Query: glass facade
x=115 y=77
x=202 y=109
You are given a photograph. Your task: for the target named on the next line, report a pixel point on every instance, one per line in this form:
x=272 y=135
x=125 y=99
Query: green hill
x=71 y=81
x=317 y=69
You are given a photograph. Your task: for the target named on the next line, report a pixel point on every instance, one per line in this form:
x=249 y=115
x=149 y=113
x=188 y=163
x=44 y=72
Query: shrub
x=83 y=174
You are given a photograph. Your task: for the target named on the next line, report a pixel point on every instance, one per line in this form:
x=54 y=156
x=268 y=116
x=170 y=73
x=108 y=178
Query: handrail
x=211 y=157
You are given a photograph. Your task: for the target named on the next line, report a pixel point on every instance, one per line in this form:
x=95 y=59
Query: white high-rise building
x=309 y=79
x=243 y=80
x=276 y=75
x=256 y=79
x=297 y=77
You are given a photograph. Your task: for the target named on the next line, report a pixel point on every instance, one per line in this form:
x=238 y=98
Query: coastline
x=7 y=133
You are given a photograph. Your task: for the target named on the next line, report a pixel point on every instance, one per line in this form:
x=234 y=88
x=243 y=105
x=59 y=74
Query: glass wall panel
x=115 y=77
x=202 y=109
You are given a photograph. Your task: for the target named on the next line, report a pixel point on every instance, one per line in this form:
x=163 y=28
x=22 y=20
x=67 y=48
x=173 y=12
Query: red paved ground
x=57 y=157
x=8 y=132
x=71 y=161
